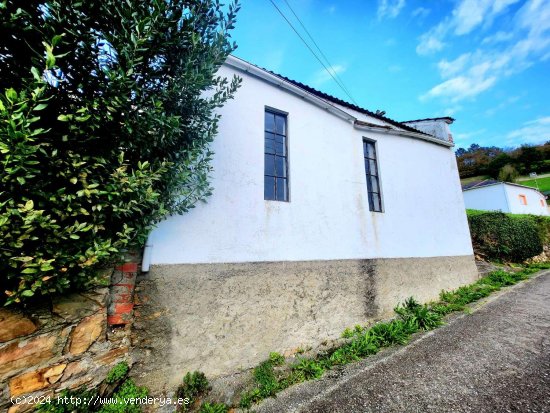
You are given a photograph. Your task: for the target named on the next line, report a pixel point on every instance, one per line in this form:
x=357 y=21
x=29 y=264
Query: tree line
x=504 y=164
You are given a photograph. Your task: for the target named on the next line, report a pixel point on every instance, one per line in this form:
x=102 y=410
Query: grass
x=543 y=183
x=273 y=375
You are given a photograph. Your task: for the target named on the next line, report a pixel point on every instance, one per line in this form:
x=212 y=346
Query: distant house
x=491 y=195
x=324 y=215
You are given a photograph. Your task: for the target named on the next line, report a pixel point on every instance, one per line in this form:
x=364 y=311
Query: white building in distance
x=508 y=197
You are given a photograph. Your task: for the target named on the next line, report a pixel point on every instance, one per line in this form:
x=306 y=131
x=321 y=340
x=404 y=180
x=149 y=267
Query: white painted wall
x=487 y=198
x=327 y=216
x=536 y=203
x=436 y=127
x=505 y=197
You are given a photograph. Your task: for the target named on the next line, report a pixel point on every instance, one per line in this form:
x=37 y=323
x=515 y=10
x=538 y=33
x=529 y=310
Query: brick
x=24 y=354
x=36 y=380
x=115 y=320
x=128 y=267
x=14 y=324
x=123 y=308
x=87 y=332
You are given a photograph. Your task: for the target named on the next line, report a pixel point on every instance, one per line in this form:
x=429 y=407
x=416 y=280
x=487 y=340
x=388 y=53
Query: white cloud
x=498 y=37
x=460 y=88
x=470 y=74
x=432 y=40
x=389 y=8
x=421 y=12
x=451 y=68
x=534 y=131
x=322 y=76
x=502 y=105
x=465 y=17
x=452 y=110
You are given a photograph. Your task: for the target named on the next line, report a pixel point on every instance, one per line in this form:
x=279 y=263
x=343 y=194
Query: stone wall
x=65 y=343
x=225 y=318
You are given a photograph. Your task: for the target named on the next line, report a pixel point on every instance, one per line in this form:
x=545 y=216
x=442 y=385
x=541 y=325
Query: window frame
x=522 y=199
x=369 y=175
x=286 y=177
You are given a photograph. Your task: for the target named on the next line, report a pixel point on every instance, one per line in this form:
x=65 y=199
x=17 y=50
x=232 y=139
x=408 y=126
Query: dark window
x=275 y=157
x=373 y=180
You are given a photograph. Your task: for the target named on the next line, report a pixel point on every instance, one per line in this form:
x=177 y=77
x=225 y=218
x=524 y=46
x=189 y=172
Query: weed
x=214 y=408
x=194 y=385
x=118 y=372
x=276 y=359
x=311 y=369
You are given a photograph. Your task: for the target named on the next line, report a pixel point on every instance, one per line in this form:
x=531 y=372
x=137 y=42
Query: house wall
x=487 y=198
x=533 y=197
x=327 y=216
x=239 y=277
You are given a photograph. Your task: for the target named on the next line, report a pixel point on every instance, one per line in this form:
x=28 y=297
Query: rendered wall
x=222 y=318
x=536 y=203
x=487 y=198
x=327 y=216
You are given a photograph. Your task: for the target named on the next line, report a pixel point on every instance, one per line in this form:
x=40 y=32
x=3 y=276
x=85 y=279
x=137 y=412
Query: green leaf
x=40 y=106
x=27 y=293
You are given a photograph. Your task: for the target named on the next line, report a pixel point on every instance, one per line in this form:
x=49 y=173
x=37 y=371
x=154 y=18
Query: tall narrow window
x=373 y=180
x=275 y=157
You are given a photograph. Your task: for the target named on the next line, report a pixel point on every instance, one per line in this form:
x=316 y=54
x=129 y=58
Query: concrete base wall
x=222 y=318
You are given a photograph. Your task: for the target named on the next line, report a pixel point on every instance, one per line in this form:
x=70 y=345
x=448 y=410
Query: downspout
x=146 y=260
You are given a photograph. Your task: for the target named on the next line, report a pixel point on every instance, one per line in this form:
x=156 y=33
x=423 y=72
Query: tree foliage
x=107 y=110
x=479 y=160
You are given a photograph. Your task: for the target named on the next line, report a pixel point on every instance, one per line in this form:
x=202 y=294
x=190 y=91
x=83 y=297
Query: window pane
x=269 y=187
x=371 y=202
x=281 y=189
x=269 y=165
x=370 y=150
x=280 y=144
x=280 y=148
x=280 y=166
x=372 y=167
x=269 y=146
x=376 y=202
x=374 y=184
x=280 y=124
x=269 y=121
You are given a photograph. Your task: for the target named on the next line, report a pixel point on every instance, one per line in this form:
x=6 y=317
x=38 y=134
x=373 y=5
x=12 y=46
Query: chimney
x=437 y=127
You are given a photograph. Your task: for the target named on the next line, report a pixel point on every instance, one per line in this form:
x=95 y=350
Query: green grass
x=366 y=341
x=543 y=183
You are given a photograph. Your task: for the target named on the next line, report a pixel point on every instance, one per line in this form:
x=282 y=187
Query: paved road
x=496 y=359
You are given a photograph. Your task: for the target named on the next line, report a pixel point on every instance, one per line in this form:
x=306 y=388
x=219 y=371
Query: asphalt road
x=496 y=359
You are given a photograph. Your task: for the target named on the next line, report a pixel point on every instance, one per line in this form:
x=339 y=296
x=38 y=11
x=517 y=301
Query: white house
x=506 y=197
x=324 y=215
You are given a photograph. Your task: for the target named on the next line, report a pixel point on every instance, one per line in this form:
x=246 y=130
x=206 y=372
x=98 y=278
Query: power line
x=340 y=81
x=312 y=52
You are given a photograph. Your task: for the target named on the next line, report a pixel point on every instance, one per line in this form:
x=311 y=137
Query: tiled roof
x=479 y=184
x=421 y=120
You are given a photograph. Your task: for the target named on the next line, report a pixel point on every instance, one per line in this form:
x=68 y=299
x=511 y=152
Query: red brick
x=121 y=308
x=115 y=320
x=128 y=267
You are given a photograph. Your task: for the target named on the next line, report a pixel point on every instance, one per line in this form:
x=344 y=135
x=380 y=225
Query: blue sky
x=484 y=62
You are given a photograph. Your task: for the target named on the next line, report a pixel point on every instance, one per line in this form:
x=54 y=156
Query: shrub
x=500 y=236
x=194 y=385
x=107 y=110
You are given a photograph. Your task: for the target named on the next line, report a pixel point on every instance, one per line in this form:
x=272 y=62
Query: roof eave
x=388 y=130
